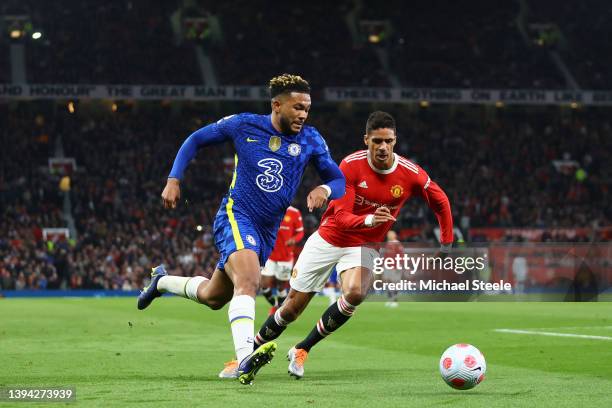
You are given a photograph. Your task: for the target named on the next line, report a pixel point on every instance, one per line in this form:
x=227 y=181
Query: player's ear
x=276 y=104
x=365 y=139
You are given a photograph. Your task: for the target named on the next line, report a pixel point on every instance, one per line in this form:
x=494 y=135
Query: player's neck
x=275 y=120
x=387 y=165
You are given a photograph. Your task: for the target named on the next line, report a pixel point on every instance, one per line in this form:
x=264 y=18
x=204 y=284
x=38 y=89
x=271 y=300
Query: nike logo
x=251 y=140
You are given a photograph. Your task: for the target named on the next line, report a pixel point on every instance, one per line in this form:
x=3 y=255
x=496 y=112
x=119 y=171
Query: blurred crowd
x=310 y=38
x=108 y=42
x=513 y=169
x=471 y=44
x=582 y=36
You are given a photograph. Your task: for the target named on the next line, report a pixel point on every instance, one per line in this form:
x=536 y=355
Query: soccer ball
x=463 y=366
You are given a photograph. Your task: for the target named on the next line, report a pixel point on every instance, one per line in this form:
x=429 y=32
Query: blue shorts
x=333 y=278
x=234 y=231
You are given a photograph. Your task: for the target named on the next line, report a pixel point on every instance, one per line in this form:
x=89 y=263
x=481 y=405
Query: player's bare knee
x=215 y=304
x=290 y=311
x=248 y=286
x=355 y=295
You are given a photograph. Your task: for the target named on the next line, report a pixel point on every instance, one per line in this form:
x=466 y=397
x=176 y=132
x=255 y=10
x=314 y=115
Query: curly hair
x=287 y=83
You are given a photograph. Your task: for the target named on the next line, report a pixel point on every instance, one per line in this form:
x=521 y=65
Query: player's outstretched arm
x=334 y=183
x=171 y=193
x=345 y=217
x=317 y=197
x=439 y=203
x=212 y=134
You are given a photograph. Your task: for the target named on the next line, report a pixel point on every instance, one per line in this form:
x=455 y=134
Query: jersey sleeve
x=343 y=213
x=298 y=226
x=327 y=168
x=437 y=200
x=215 y=133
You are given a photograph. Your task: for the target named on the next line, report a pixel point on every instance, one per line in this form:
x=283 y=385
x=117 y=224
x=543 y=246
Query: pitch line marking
x=553 y=334
x=570 y=328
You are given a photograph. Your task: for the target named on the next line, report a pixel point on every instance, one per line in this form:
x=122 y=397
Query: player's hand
x=382 y=215
x=171 y=194
x=316 y=198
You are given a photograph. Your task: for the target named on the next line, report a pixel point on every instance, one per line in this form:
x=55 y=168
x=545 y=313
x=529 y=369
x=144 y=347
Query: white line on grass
x=580 y=336
x=570 y=328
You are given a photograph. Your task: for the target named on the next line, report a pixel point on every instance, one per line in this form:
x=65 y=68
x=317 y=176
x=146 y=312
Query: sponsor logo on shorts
x=294 y=273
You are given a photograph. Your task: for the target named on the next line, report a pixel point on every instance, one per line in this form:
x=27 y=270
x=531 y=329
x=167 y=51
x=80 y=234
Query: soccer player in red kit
x=378 y=183
x=278 y=267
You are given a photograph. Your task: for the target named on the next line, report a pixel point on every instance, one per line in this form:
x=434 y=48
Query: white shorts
x=392 y=275
x=277 y=269
x=318 y=259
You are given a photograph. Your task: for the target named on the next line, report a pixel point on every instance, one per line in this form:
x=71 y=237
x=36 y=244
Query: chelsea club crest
x=294 y=149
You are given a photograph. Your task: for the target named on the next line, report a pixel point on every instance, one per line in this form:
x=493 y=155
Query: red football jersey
x=291 y=227
x=368 y=188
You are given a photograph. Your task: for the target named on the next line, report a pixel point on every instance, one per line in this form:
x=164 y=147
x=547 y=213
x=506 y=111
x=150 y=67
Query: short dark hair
x=287 y=83
x=380 y=120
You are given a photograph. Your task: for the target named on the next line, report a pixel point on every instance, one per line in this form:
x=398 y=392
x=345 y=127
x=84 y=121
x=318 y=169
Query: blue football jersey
x=269 y=165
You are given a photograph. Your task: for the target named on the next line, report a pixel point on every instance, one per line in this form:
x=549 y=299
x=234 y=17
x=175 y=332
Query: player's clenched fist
x=382 y=215
x=317 y=198
x=171 y=193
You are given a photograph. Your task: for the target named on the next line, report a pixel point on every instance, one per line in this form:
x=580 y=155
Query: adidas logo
x=363 y=184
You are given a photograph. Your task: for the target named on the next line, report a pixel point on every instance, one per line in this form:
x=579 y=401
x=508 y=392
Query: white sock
x=186 y=287
x=242 y=321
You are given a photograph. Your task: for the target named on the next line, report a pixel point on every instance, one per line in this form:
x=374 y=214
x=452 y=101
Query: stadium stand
x=120 y=43
x=123 y=159
x=511 y=168
x=477 y=45
x=584 y=46
x=260 y=39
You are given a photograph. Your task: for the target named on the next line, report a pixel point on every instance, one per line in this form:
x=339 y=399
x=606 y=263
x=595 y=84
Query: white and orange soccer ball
x=463 y=366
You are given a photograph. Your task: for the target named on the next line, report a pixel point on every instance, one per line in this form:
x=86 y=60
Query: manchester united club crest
x=397 y=191
x=275 y=143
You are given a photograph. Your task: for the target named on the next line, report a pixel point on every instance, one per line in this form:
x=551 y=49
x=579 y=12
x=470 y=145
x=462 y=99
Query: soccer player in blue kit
x=272 y=152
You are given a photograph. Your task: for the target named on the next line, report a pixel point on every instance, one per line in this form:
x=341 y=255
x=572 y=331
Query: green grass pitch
x=170 y=354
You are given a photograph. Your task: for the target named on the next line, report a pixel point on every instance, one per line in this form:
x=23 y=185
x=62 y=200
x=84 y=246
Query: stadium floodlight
x=36 y=35
x=15 y=34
